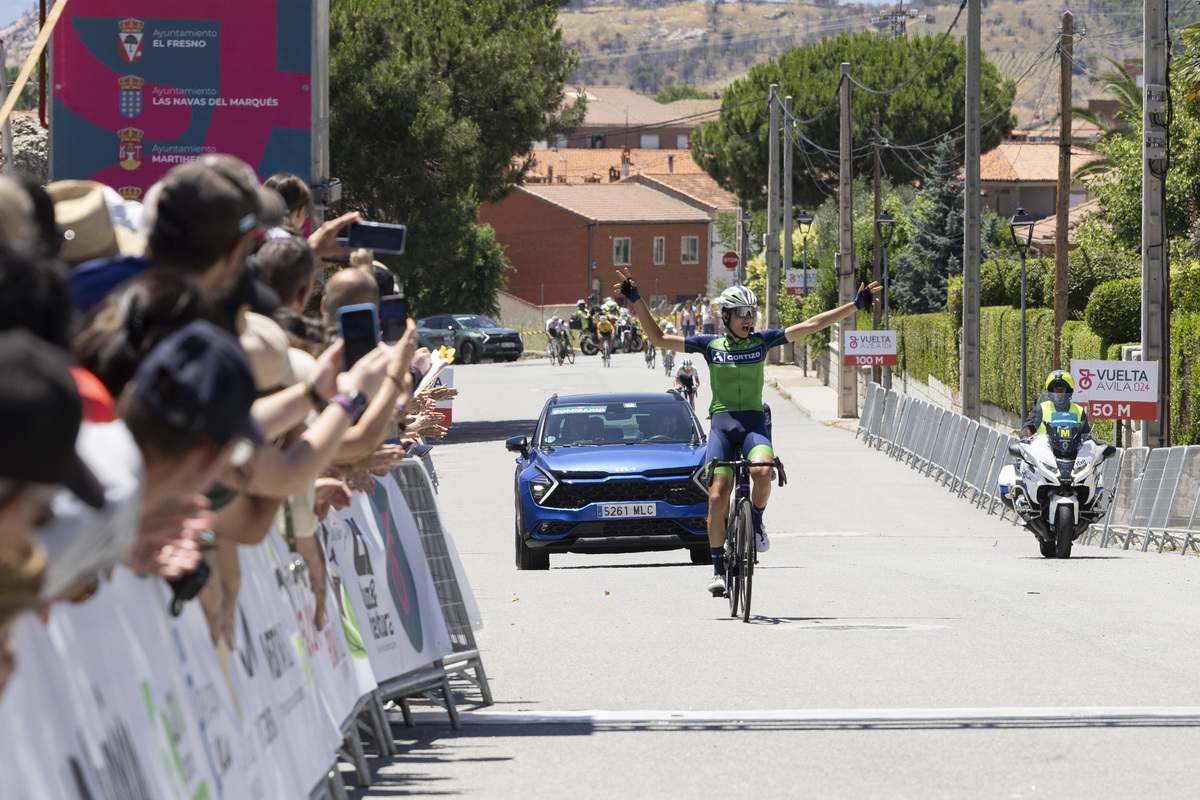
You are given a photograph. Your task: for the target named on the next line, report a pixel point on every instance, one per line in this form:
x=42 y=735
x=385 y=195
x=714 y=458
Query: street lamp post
x=1021 y=228
x=804 y=222
x=884 y=226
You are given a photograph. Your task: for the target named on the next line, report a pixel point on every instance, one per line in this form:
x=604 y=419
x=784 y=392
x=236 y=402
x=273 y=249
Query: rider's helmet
x=686 y=366
x=624 y=313
x=1060 y=386
x=669 y=327
x=738 y=297
x=581 y=304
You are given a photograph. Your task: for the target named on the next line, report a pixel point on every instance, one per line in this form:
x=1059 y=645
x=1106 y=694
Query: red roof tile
x=617 y=202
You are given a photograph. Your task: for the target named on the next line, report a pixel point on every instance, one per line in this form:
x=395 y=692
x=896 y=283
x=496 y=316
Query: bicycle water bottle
x=767 y=412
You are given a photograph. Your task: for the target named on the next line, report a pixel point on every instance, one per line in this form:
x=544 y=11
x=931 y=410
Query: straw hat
x=266 y=346
x=86 y=225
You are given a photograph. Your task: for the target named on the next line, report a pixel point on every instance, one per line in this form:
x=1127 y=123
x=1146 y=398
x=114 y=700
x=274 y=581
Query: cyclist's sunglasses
x=742 y=311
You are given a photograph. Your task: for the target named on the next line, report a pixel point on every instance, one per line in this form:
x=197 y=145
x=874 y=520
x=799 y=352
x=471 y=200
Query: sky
x=11 y=10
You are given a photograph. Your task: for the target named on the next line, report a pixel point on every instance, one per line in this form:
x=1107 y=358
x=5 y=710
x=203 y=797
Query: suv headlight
x=698 y=478
x=542 y=485
x=483 y=337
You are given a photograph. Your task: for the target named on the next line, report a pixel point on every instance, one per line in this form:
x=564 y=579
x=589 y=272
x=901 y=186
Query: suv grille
x=677 y=492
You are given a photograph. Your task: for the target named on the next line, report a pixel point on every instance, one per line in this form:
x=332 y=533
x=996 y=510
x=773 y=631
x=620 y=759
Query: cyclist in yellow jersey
x=736 y=360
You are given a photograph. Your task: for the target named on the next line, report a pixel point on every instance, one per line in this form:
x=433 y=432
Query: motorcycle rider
x=575 y=323
x=1057 y=408
x=736 y=359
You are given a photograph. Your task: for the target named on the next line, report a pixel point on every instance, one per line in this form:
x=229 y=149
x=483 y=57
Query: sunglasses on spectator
x=743 y=311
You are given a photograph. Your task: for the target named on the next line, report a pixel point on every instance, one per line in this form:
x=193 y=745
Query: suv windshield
x=617 y=423
x=475 y=321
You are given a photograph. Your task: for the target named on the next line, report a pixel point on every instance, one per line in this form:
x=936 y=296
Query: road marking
x=1048 y=717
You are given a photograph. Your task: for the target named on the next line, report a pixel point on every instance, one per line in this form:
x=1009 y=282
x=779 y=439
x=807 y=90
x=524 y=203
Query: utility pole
x=969 y=373
x=743 y=226
x=5 y=127
x=877 y=255
x=847 y=376
x=1156 y=286
x=773 y=220
x=1062 y=201
x=789 y=222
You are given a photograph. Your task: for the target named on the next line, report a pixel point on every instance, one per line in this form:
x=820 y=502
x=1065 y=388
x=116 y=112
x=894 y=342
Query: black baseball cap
x=198 y=379
x=40 y=415
x=215 y=199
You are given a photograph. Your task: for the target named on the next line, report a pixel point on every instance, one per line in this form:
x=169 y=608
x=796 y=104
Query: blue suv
x=614 y=473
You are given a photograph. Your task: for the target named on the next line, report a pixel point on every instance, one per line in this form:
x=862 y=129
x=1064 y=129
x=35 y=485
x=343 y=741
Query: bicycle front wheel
x=733 y=557
x=746 y=555
x=570 y=355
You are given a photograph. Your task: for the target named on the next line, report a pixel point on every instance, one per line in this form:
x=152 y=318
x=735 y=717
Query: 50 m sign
x=1117 y=389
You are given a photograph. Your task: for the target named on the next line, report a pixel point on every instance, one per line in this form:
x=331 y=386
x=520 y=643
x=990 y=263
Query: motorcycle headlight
x=542 y=485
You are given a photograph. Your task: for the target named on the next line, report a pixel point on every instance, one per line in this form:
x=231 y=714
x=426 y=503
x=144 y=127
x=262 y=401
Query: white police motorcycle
x=1055 y=485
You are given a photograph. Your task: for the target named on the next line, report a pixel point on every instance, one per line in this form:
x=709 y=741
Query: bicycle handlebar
x=775 y=463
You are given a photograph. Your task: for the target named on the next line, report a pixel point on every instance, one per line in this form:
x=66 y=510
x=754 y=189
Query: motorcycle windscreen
x=1064 y=433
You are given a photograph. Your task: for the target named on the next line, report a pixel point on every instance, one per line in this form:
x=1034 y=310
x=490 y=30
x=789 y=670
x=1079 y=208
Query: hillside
x=646 y=45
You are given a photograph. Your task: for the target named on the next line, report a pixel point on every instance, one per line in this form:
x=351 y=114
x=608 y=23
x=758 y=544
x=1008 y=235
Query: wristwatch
x=355 y=403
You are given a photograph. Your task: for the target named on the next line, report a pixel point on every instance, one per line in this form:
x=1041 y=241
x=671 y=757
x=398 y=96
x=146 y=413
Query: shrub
x=927 y=344
x=1000 y=282
x=1084 y=273
x=954 y=297
x=1114 y=312
x=1185 y=287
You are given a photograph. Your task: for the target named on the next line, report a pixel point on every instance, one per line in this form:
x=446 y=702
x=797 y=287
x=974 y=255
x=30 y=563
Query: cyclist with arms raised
x=735 y=369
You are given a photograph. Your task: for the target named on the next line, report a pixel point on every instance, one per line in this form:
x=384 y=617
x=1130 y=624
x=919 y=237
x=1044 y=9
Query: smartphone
x=358 y=325
x=393 y=317
x=379 y=236
x=417 y=450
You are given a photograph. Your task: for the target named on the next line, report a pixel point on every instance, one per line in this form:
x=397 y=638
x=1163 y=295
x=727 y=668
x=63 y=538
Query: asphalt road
x=904 y=644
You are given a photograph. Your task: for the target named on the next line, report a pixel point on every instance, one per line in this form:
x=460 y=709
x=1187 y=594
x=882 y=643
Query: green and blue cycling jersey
x=735 y=373
x=735 y=369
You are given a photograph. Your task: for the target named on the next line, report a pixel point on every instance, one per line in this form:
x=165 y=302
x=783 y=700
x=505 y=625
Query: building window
x=689 y=249
x=660 y=249
x=681 y=141
x=649 y=141
x=621 y=250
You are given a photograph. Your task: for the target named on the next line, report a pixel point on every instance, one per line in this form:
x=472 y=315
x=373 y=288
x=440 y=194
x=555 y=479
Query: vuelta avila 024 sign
x=1117 y=389
x=869 y=349
x=143 y=85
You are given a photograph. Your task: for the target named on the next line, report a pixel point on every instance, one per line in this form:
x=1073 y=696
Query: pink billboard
x=142 y=85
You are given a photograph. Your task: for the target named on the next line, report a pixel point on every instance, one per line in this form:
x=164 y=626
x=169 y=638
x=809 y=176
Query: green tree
x=430 y=102
x=28 y=99
x=937 y=242
x=733 y=148
x=670 y=94
x=1119 y=190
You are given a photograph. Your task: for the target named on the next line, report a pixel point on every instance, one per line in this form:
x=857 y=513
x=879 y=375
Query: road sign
x=870 y=349
x=730 y=259
x=1116 y=389
x=801 y=281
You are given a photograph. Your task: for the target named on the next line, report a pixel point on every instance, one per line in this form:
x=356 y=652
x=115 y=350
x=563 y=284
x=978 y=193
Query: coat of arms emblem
x=129 y=154
x=130 y=37
x=129 y=101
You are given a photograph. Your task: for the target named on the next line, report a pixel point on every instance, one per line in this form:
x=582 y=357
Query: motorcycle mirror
x=1014 y=449
x=1109 y=451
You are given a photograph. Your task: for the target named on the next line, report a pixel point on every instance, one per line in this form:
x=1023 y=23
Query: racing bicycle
x=668 y=361
x=552 y=351
x=566 y=351
x=606 y=350
x=650 y=354
x=741 y=551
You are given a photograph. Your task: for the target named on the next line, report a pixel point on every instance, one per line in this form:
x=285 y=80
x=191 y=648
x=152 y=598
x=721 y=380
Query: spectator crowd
x=172 y=385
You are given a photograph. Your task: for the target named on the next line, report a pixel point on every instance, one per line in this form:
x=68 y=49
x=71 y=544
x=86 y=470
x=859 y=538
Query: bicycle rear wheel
x=570 y=354
x=746 y=555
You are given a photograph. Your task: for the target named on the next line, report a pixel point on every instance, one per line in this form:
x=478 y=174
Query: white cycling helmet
x=737 y=296
x=580 y=304
x=686 y=365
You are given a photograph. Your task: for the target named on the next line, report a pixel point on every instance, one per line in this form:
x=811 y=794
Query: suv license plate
x=615 y=510
x=508 y=344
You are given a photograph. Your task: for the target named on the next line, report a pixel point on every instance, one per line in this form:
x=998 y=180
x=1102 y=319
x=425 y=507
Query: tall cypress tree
x=936 y=245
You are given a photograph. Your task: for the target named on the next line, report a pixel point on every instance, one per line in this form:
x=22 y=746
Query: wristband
x=355 y=403
x=315 y=396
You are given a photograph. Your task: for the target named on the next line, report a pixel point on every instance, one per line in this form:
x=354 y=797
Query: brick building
x=617 y=117
x=566 y=241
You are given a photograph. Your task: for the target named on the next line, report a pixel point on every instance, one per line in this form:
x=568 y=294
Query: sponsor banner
x=1117 y=389
x=869 y=349
x=141 y=85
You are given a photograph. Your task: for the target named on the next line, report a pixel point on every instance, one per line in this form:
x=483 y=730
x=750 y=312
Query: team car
x=614 y=473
